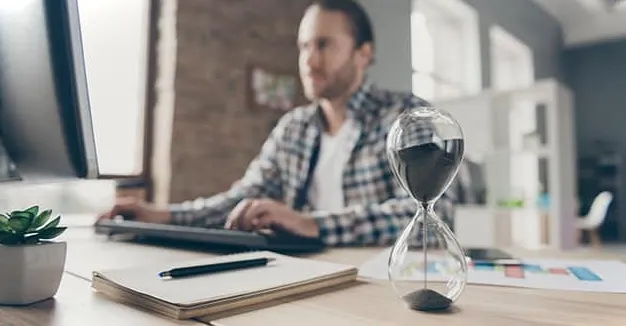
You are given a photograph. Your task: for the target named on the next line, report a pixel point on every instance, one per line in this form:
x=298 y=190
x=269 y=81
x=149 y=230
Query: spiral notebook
x=220 y=294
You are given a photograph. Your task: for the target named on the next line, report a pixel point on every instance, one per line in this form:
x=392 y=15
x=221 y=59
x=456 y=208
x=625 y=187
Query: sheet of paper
x=554 y=274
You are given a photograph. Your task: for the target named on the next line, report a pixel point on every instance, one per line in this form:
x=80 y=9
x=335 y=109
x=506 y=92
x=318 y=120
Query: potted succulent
x=31 y=264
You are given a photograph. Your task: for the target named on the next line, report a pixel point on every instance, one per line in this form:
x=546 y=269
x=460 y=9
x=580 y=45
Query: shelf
x=541 y=153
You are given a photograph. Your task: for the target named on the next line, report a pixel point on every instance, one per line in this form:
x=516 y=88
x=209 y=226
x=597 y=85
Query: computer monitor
x=45 y=118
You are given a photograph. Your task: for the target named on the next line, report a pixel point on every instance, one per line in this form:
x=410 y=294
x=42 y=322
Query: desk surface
x=373 y=303
x=76 y=305
x=367 y=303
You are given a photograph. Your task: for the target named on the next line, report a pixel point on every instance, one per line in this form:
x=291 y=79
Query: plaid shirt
x=376 y=208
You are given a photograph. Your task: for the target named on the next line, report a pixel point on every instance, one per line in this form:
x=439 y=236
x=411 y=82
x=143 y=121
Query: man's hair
x=359 y=21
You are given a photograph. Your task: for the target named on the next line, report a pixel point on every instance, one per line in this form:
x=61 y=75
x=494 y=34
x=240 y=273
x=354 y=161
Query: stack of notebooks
x=220 y=294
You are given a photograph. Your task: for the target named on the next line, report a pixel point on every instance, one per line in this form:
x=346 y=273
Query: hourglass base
x=427 y=300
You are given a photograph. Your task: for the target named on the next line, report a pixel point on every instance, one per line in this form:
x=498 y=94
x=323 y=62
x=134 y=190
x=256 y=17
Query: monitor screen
x=8 y=171
x=45 y=116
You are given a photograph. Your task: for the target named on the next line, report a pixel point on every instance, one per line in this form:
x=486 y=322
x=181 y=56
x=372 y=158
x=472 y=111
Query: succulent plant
x=29 y=227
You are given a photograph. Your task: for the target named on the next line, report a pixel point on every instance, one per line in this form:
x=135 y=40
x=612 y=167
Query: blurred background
x=185 y=91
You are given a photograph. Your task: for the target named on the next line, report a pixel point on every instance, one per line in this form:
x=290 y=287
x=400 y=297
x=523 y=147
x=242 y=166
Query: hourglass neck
x=428 y=206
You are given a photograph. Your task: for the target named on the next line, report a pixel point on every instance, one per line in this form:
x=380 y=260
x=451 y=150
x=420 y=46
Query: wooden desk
x=87 y=252
x=368 y=303
x=373 y=303
x=76 y=305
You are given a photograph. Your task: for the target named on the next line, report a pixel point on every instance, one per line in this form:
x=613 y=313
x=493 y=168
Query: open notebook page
x=188 y=291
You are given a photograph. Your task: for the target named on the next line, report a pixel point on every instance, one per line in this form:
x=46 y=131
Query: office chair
x=595 y=217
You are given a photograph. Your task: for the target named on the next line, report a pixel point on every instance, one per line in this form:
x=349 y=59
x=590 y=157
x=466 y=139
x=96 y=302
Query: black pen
x=214 y=268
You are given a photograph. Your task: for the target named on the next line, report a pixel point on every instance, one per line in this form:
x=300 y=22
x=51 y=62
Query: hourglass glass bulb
x=427 y=266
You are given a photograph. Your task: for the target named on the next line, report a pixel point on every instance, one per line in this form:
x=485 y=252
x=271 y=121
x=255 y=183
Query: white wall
x=88 y=197
x=526 y=21
x=164 y=108
x=392 y=32
x=115 y=42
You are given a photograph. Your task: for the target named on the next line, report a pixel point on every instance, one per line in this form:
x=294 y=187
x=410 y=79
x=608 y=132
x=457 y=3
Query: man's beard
x=341 y=82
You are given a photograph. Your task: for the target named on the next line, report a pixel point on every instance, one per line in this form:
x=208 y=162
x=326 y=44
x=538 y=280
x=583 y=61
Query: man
x=323 y=171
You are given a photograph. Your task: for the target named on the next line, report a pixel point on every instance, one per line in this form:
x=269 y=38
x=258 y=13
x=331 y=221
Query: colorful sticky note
x=584 y=274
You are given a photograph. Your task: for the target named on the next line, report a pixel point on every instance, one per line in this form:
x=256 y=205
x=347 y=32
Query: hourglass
x=427 y=266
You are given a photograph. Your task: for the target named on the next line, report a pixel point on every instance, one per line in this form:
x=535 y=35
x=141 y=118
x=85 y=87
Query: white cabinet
x=525 y=141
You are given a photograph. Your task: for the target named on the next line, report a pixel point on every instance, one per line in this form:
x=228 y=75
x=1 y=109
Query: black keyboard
x=211 y=238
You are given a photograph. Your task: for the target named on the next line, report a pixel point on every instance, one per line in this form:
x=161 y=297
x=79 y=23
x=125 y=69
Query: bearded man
x=323 y=172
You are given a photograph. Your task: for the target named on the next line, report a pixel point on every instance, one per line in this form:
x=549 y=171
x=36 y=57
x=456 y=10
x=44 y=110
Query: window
x=115 y=41
x=445 y=49
x=511 y=61
x=512 y=69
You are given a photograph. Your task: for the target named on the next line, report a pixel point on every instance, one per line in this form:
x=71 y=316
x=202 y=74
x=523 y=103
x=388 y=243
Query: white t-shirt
x=326 y=192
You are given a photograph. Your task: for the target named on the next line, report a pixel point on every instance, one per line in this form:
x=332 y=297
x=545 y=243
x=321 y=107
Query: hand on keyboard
x=138 y=210
x=256 y=214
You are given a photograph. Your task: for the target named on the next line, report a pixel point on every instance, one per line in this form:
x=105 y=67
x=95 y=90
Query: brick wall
x=215 y=134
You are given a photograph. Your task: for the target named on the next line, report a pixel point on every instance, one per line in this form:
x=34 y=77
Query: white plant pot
x=30 y=273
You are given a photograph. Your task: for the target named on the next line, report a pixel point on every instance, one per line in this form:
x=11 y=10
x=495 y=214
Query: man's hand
x=138 y=210
x=256 y=214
